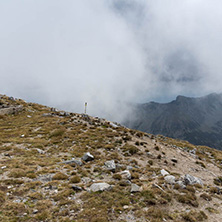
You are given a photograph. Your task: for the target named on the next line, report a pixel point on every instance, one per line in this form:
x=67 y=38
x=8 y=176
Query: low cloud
x=64 y=53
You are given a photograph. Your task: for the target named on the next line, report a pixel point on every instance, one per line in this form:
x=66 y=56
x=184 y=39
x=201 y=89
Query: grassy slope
x=33 y=147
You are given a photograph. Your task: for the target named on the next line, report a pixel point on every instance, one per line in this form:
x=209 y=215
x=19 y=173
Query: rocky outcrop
x=100 y=187
x=10 y=110
x=190 y=180
x=197 y=120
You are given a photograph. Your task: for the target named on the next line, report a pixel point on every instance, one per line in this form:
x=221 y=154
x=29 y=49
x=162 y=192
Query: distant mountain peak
x=198 y=120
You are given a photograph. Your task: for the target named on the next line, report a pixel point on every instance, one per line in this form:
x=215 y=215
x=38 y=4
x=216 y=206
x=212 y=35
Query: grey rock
x=190 y=180
x=170 y=179
x=73 y=161
x=76 y=188
x=11 y=98
x=119 y=166
x=126 y=174
x=54 y=109
x=88 y=157
x=113 y=125
x=86 y=180
x=11 y=110
x=63 y=113
x=110 y=165
x=193 y=151
x=35 y=211
x=181 y=184
x=46 y=114
x=135 y=188
x=100 y=187
x=129 y=167
x=45 y=178
x=17 y=201
x=164 y=172
x=40 y=151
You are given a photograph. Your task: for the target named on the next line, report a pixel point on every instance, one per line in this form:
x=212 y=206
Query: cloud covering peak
x=63 y=53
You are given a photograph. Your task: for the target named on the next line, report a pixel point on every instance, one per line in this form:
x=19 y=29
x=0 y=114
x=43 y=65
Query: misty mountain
x=197 y=120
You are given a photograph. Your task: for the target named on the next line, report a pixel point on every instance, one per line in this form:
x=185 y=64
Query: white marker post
x=85 y=107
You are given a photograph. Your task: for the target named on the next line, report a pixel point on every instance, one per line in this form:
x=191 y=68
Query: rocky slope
x=59 y=166
x=197 y=120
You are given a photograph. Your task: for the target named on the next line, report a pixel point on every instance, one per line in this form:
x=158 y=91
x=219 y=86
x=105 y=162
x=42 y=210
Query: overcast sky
x=65 y=52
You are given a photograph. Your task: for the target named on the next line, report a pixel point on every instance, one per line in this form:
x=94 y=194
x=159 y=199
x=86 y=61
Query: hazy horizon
x=108 y=53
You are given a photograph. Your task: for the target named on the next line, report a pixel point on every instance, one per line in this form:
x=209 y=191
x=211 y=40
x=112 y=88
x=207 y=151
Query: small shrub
x=190 y=189
x=137 y=143
x=201 y=164
x=117 y=176
x=214 y=190
x=155 y=213
x=139 y=134
x=75 y=179
x=60 y=176
x=150 y=162
x=31 y=175
x=206 y=196
x=188 y=217
x=127 y=138
x=2 y=197
x=218 y=181
x=135 y=176
x=130 y=149
x=17 y=173
x=148 y=197
x=157 y=148
x=188 y=199
x=57 y=133
x=159 y=157
x=35 y=195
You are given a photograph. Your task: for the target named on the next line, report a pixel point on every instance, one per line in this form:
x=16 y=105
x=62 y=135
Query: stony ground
x=59 y=166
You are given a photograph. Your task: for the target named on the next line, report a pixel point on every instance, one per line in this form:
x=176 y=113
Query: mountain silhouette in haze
x=197 y=120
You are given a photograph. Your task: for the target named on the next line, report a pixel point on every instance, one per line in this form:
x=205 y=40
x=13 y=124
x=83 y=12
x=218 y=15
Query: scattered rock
x=100 y=187
x=110 y=165
x=73 y=161
x=190 y=180
x=11 y=110
x=17 y=201
x=113 y=125
x=126 y=174
x=54 y=109
x=35 y=211
x=46 y=114
x=88 y=157
x=193 y=151
x=86 y=180
x=129 y=167
x=45 y=178
x=164 y=172
x=170 y=179
x=174 y=160
x=135 y=188
x=181 y=184
x=40 y=151
x=76 y=188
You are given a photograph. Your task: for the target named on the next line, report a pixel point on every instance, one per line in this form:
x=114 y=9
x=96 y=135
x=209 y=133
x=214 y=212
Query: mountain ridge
x=62 y=166
x=198 y=120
